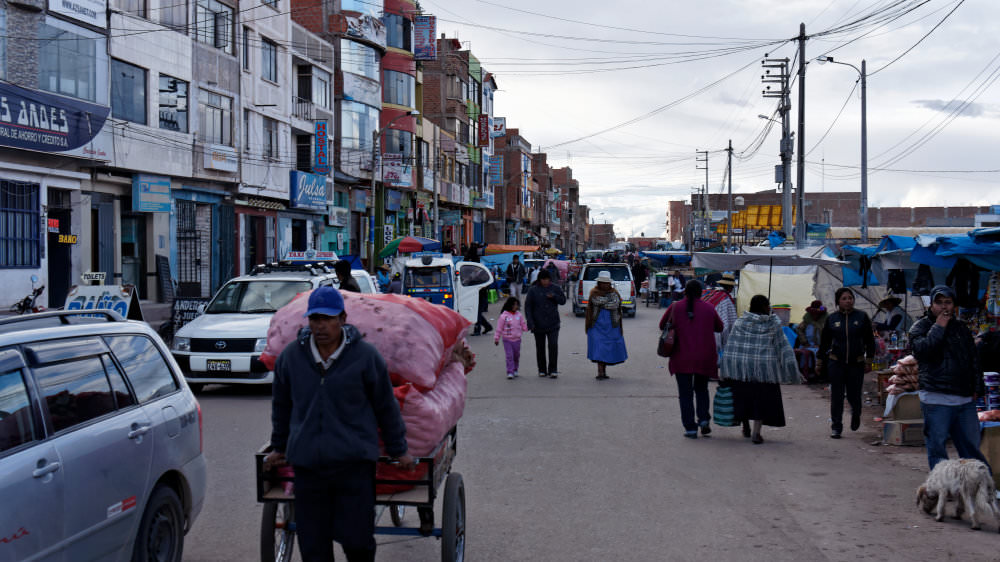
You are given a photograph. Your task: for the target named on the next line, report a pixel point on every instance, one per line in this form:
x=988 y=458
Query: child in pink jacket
x=510 y=326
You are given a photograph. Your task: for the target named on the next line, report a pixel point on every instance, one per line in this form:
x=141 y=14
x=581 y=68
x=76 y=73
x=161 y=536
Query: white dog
x=968 y=481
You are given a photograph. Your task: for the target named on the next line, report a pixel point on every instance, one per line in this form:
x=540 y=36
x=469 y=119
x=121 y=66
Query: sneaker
x=693 y=434
x=515 y=374
x=835 y=434
x=511 y=376
x=554 y=375
x=706 y=428
x=542 y=375
x=855 y=421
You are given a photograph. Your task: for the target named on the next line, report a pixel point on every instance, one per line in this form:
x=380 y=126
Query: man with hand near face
x=331 y=396
x=950 y=379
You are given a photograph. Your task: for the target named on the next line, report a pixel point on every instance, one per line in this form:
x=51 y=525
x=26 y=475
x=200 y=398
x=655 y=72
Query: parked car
x=224 y=344
x=621 y=276
x=100 y=441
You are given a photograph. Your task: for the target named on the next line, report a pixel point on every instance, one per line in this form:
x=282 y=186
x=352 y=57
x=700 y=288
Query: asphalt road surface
x=579 y=469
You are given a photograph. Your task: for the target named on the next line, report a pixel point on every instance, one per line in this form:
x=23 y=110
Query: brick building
x=601 y=236
x=510 y=220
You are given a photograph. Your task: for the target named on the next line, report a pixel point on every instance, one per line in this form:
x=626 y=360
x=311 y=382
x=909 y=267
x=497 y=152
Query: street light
x=864 y=140
x=378 y=206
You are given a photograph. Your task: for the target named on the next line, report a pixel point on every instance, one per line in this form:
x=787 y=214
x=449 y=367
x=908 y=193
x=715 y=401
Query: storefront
x=257 y=234
x=202 y=250
x=301 y=227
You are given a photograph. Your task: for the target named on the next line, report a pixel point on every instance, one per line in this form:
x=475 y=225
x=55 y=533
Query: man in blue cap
x=950 y=379
x=331 y=396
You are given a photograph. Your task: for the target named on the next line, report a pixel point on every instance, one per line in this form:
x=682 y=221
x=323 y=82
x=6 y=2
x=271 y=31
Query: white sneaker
x=554 y=375
x=511 y=375
x=542 y=375
x=515 y=374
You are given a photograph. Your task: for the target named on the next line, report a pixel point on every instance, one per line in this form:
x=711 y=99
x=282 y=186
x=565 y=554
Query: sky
x=626 y=92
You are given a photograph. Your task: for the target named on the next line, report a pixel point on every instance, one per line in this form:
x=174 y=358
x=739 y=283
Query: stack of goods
x=425 y=349
x=992 y=399
x=905 y=376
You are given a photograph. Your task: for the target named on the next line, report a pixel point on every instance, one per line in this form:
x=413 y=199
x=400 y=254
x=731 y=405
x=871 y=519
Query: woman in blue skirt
x=605 y=339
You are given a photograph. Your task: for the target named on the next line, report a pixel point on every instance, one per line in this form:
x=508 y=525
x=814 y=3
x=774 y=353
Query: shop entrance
x=194 y=257
x=260 y=239
x=133 y=256
x=60 y=254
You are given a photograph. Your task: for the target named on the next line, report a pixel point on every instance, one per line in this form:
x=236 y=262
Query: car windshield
x=250 y=297
x=617 y=273
x=419 y=277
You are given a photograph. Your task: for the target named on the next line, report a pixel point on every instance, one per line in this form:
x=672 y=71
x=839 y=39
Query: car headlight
x=260 y=345
x=182 y=344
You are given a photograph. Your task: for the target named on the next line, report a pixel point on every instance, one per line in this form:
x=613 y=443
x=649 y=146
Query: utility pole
x=706 y=219
x=864 y=154
x=784 y=106
x=729 y=216
x=800 y=179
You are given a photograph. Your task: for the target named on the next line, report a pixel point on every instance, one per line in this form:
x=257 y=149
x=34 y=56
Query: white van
x=621 y=278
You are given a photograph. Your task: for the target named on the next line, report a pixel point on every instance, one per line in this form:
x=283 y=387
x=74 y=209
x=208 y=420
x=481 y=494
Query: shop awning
x=507 y=248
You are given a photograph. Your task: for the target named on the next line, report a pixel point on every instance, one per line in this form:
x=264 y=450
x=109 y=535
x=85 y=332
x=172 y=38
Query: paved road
x=577 y=469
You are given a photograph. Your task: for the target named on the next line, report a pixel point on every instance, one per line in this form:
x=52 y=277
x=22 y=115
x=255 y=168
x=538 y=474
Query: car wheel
x=161 y=531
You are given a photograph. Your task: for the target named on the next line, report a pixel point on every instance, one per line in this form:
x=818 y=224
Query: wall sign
x=359 y=200
x=321 y=162
x=308 y=191
x=150 y=194
x=53 y=226
x=35 y=120
x=499 y=127
x=483 y=130
x=67 y=238
x=424 y=38
x=90 y=12
x=396 y=170
x=220 y=157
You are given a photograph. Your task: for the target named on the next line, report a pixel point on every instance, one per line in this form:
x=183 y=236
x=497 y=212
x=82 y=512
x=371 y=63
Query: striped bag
x=722 y=407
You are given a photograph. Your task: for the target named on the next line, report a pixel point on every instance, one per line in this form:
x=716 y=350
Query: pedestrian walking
x=332 y=400
x=721 y=297
x=541 y=311
x=846 y=343
x=510 y=327
x=950 y=379
x=483 y=325
x=757 y=359
x=515 y=276
x=603 y=324
x=695 y=359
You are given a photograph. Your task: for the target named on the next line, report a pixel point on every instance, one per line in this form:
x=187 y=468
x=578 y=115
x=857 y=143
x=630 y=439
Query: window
x=247 y=296
x=320 y=87
x=17 y=425
x=75 y=391
x=144 y=366
x=246 y=130
x=71 y=61
x=123 y=398
x=361 y=6
x=358 y=122
x=128 y=92
x=134 y=7
x=303 y=153
x=425 y=154
x=399 y=88
x=270 y=138
x=246 y=48
x=271 y=3
x=472 y=275
x=3 y=43
x=19 y=224
x=174 y=14
x=397 y=32
x=215 y=113
x=173 y=104
x=359 y=59
x=398 y=142
x=268 y=60
x=213 y=24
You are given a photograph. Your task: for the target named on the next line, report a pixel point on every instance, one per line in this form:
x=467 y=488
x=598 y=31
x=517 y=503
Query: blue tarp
x=666 y=258
x=946 y=250
x=355 y=262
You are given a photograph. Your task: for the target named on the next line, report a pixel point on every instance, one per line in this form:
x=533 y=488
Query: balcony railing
x=302 y=109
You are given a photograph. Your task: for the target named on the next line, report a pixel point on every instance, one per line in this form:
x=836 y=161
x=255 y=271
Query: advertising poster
x=424 y=38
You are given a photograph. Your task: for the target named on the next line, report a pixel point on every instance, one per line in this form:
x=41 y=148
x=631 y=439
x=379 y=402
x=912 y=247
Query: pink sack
x=431 y=414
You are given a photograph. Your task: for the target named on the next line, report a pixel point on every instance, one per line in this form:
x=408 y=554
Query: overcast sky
x=671 y=78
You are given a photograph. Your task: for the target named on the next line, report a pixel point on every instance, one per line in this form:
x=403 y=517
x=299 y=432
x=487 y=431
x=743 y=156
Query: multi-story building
x=509 y=222
x=601 y=235
x=571 y=238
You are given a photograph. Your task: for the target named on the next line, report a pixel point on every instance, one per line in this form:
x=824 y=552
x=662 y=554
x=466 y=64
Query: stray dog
x=968 y=481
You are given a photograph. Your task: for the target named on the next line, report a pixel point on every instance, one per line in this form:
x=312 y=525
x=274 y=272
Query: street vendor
x=331 y=399
x=894 y=316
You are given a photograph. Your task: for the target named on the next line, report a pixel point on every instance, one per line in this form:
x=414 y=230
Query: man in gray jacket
x=331 y=396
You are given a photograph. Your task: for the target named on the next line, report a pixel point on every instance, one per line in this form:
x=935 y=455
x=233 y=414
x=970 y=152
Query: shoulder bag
x=665 y=345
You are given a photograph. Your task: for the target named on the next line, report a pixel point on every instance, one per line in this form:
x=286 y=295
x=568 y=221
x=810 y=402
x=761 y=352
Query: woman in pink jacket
x=510 y=326
x=695 y=359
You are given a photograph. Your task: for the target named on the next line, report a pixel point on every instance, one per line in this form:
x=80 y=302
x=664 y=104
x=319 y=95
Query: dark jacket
x=515 y=272
x=319 y=418
x=847 y=338
x=541 y=312
x=351 y=284
x=947 y=358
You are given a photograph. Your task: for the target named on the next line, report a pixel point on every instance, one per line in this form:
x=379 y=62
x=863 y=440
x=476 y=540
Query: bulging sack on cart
x=430 y=415
x=416 y=338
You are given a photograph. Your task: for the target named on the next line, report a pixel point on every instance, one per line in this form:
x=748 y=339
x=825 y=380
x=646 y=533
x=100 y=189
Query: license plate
x=219 y=365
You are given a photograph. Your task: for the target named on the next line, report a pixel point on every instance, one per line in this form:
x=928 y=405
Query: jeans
x=553 y=346
x=515 y=290
x=336 y=504
x=844 y=378
x=512 y=350
x=958 y=422
x=698 y=386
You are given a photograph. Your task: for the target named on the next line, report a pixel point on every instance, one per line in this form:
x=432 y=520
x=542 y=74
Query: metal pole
x=864 y=154
x=729 y=217
x=371 y=218
x=800 y=180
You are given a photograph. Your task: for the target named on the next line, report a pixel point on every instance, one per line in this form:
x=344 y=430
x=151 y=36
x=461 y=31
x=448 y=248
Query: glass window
x=128 y=92
x=360 y=59
x=271 y=3
x=320 y=87
x=214 y=24
x=123 y=398
x=362 y=6
x=135 y=7
x=270 y=149
x=174 y=14
x=173 y=104
x=144 y=366
x=17 y=424
x=397 y=32
x=72 y=61
x=19 y=224
x=398 y=142
x=215 y=112
x=358 y=122
x=246 y=130
x=75 y=391
x=425 y=154
x=398 y=88
x=472 y=275
x=268 y=60
x=3 y=43
x=246 y=48
x=252 y=297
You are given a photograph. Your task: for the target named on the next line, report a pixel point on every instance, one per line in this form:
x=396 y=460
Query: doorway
x=133 y=256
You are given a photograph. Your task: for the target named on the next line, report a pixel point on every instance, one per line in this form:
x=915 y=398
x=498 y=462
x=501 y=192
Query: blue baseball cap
x=326 y=301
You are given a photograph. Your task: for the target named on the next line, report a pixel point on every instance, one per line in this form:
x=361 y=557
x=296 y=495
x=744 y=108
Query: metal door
x=188 y=250
x=226 y=244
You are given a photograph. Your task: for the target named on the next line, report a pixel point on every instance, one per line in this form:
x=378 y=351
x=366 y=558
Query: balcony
x=302 y=109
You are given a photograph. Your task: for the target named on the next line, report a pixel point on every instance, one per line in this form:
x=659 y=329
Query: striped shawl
x=758 y=351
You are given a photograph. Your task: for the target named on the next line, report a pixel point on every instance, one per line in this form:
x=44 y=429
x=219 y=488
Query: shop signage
x=67 y=238
x=496 y=169
x=388 y=231
x=186 y=309
x=310 y=255
x=338 y=216
x=220 y=157
x=90 y=12
x=359 y=200
x=424 y=38
x=308 y=191
x=499 y=127
x=449 y=217
x=35 y=120
x=396 y=171
x=150 y=194
x=483 y=130
x=53 y=225
x=462 y=153
x=122 y=300
x=429 y=179
x=321 y=163
x=89 y=277
x=393 y=199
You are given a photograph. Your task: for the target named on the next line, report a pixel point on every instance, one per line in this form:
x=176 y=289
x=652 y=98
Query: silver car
x=100 y=441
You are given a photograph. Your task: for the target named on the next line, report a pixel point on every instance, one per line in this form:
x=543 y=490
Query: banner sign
x=321 y=163
x=150 y=194
x=483 y=130
x=308 y=191
x=122 y=300
x=496 y=169
x=424 y=38
x=396 y=171
x=186 y=309
x=35 y=120
x=359 y=200
x=90 y=12
x=221 y=157
x=499 y=127
x=450 y=217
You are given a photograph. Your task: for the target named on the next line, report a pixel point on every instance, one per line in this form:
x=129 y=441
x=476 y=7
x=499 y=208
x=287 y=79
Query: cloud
x=971 y=110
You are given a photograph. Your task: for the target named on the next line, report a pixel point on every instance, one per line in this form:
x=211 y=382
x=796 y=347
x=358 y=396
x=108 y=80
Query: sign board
x=359 y=200
x=496 y=169
x=90 y=276
x=308 y=191
x=367 y=27
x=483 y=130
x=184 y=310
x=67 y=239
x=310 y=255
x=220 y=157
x=396 y=170
x=36 y=120
x=53 y=226
x=393 y=200
x=389 y=231
x=123 y=300
x=424 y=38
x=90 y=12
x=150 y=194
x=321 y=161
x=499 y=127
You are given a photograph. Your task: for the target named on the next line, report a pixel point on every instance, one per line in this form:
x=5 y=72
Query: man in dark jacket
x=846 y=343
x=515 y=276
x=331 y=397
x=347 y=283
x=541 y=312
x=950 y=379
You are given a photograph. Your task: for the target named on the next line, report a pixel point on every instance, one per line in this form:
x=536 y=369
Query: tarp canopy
x=508 y=248
x=666 y=258
x=500 y=260
x=795 y=290
x=944 y=251
x=733 y=262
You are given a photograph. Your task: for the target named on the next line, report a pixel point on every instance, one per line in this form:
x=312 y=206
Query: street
x=580 y=469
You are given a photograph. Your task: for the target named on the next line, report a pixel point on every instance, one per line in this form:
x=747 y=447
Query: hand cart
x=277 y=528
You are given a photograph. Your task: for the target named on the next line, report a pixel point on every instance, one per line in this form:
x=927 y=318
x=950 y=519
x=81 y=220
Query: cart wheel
x=453 y=520
x=396 y=514
x=277 y=532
